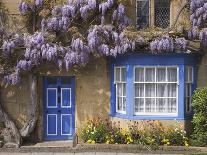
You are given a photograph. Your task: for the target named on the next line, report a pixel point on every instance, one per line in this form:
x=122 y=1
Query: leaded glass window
x=142 y=14
x=153 y=13
x=162 y=13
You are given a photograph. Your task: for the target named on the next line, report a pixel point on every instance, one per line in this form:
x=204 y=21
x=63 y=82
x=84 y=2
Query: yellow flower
x=107 y=142
x=89 y=141
x=168 y=143
x=93 y=142
x=186 y=144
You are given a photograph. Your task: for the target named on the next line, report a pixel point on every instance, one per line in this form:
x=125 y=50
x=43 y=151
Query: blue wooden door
x=59 y=108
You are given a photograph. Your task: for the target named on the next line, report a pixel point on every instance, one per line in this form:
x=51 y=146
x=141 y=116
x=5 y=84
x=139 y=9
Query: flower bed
x=151 y=133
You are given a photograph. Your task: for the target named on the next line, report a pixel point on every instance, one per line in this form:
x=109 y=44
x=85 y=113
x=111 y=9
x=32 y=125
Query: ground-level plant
x=149 y=133
x=199 y=103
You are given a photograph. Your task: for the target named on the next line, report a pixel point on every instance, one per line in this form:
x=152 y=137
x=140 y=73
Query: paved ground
x=85 y=153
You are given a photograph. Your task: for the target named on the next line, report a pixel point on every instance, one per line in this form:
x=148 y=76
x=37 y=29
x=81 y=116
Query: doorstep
x=51 y=144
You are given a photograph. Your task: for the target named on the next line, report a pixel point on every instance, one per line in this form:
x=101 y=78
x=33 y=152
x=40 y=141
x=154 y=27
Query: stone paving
x=82 y=153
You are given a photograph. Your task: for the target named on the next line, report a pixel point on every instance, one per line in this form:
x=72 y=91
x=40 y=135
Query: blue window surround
x=181 y=60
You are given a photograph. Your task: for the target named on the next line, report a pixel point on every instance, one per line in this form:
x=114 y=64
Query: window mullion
x=144 y=93
x=155 y=89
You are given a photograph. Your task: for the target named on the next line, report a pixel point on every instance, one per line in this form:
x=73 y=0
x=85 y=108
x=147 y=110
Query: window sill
x=147 y=117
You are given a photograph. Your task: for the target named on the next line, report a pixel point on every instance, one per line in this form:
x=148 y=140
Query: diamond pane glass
x=162 y=13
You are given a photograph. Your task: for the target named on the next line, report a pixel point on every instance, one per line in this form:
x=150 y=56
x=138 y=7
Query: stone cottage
x=136 y=86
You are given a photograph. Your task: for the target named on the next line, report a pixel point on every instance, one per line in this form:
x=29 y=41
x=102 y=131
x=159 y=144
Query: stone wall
x=202 y=72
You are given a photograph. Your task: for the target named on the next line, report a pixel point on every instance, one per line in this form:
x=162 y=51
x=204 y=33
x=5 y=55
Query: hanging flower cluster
x=168 y=44
x=163 y=44
x=98 y=37
x=119 y=16
x=15 y=40
x=25 y=7
x=181 y=43
x=203 y=36
x=193 y=33
x=12 y=79
x=198 y=12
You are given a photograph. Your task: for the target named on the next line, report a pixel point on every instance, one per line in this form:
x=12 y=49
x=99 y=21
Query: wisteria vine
x=105 y=39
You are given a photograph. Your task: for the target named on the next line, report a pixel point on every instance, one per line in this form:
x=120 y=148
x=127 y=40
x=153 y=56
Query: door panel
x=65 y=97
x=51 y=124
x=59 y=108
x=51 y=97
x=66 y=121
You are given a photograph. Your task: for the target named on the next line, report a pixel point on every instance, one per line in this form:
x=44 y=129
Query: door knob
x=59 y=111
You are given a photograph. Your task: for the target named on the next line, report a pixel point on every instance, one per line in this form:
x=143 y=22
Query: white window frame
x=187 y=81
x=121 y=82
x=156 y=113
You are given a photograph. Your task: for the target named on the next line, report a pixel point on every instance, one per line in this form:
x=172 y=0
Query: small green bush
x=199 y=104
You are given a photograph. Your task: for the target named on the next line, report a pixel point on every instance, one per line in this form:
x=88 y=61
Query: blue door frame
x=59 y=107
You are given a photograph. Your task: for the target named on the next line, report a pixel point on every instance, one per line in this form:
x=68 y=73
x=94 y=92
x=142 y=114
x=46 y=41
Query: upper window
x=153 y=13
x=188 y=88
x=156 y=90
x=120 y=82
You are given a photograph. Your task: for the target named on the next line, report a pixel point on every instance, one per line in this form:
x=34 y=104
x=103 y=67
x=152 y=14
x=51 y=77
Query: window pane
x=150 y=90
x=187 y=103
x=52 y=81
x=139 y=90
x=161 y=90
x=139 y=74
x=117 y=74
x=150 y=75
x=65 y=81
x=119 y=89
x=119 y=103
x=172 y=105
x=123 y=74
x=139 y=105
x=124 y=89
x=162 y=13
x=172 y=90
x=142 y=13
x=124 y=103
x=161 y=74
x=172 y=74
x=190 y=78
x=188 y=89
x=161 y=107
x=150 y=105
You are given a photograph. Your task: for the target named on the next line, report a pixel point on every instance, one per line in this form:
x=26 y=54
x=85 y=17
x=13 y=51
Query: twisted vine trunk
x=11 y=134
x=33 y=110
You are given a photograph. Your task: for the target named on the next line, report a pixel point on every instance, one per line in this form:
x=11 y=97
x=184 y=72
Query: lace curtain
x=155 y=89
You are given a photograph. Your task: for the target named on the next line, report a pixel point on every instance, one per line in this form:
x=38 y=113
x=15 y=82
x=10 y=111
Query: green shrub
x=199 y=104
